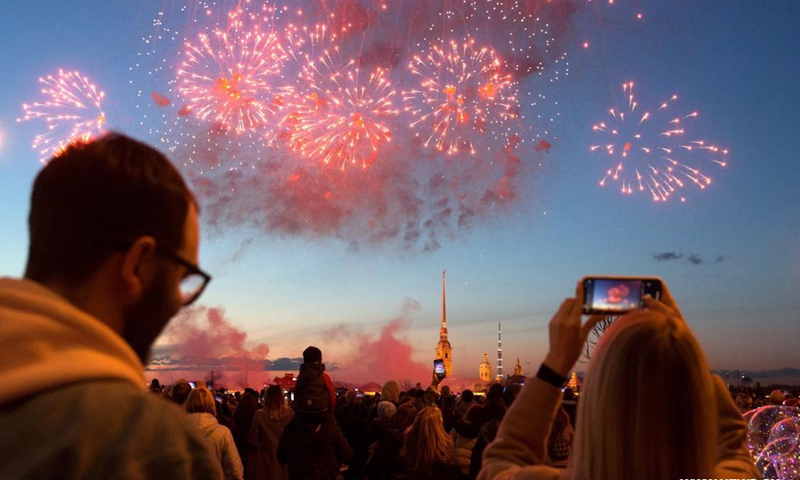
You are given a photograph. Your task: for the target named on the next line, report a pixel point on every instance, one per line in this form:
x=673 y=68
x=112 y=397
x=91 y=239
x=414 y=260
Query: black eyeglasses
x=195 y=280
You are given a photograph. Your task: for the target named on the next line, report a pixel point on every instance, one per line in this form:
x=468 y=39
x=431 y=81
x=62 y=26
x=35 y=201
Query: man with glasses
x=114 y=238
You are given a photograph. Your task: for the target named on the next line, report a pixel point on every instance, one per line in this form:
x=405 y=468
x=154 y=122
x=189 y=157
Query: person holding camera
x=631 y=425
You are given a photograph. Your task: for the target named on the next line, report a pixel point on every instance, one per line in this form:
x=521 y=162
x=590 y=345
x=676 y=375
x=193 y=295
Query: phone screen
x=438 y=368
x=616 y=295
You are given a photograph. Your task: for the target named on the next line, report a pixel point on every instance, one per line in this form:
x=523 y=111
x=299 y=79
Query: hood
x=205 y=421
x=49 y=343
x=310 y=371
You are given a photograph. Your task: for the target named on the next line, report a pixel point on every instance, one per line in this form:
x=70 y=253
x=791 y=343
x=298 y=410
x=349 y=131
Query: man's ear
x=134 y=268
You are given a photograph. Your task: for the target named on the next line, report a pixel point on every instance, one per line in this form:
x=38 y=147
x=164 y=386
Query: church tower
x=443 y=349
x=485 y=369
x=518 y=369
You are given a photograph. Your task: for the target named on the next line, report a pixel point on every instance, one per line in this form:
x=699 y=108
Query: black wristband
x=551 y=376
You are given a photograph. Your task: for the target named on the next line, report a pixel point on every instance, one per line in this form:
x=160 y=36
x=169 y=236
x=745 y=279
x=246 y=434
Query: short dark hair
x=495 y=392
x=98 y=197
x=180 y=392
x=467 y=395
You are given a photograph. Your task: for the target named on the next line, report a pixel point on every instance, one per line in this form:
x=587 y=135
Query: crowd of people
x=420 y=433
x=113 y=256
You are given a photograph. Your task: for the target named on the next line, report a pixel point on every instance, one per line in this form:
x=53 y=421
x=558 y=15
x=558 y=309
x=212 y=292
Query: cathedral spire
x=443 y=350
x=444 y=307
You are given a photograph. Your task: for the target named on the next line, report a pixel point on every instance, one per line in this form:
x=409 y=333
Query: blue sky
x=733 y=62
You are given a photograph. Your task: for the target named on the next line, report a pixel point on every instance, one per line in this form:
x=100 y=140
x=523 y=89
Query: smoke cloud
x=202 y=339
x=408 y=203
x=376 y=358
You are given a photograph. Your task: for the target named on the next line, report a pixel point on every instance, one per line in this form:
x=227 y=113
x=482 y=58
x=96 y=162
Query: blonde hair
x=200 y=400
x=647 y=408
x=426 y=441
x=391 y=391
x=275 y=402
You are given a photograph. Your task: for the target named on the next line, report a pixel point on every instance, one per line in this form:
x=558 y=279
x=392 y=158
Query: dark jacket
x=385 y=460
x=491 y=411
x=311 y=393
x=313 y=448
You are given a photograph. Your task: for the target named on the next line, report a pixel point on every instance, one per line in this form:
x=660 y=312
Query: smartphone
x=438 y=368
x=193 y=385
x=617 y=295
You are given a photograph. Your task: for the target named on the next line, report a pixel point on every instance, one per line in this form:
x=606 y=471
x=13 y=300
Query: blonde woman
x=203 y=412
x=265 y=435
x=427 y=452
x=650 y=408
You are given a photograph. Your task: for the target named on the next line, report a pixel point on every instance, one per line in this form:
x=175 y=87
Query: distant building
x=443 y=350
x=575 y=382
x=518 y=369
x=287 y=382
x=485 y=369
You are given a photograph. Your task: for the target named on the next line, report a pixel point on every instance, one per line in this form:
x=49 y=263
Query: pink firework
x=339 y=115
x=650 y=151
x=228 y=76
x=463 y=93
x=71 y=111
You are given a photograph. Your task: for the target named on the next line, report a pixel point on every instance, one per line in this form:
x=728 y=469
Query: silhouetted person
x=265 y=435
x=180 y=392
x=243 y=420
x=314 y=391
x=313 y=447
x=114 y=237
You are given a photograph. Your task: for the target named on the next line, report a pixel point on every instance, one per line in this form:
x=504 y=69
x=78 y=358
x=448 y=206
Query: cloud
x=665 y=256
x=696 y=259
x=693 y=258
x=284 y=364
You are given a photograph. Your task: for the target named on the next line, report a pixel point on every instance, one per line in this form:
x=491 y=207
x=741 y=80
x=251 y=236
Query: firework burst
x=463 y=92
x=650 y=152
x=339 y=114
x=228 y=76
x=71 y=111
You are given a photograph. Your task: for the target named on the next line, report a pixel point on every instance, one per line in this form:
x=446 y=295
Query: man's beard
x=144 y=321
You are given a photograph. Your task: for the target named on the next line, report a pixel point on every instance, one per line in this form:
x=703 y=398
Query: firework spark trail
x=463 y=93
x=72 y=112
x=228 y=76
x=650 y=156
x=336 y=115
